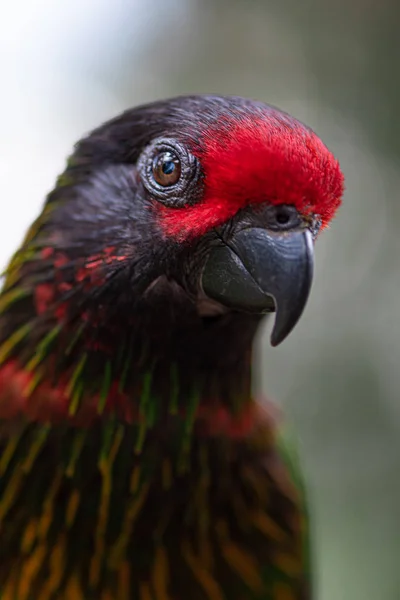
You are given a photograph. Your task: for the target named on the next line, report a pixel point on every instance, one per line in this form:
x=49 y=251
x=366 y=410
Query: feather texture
x=135 y=463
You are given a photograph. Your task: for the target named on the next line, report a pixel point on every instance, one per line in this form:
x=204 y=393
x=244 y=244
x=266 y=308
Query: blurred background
x=67 y=66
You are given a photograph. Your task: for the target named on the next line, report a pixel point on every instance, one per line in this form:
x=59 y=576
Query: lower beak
x=262 y=271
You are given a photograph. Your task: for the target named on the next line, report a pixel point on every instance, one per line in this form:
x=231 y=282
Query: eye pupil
x=166 y=169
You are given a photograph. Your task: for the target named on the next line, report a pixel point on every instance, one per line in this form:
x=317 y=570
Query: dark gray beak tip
x=276 y=339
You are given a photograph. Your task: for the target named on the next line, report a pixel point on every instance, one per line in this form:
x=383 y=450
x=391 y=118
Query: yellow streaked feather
x=33 y=383
x=29 y=536
x=124 y=581
x=73 y=589
x=34 y=449
x=10 y=589
x=240 y=561
x=145 y=593
x=8 y=452
x=8 y=346
x=10 y=493
x=160 y=575
x=30 y=570
x=283 y=592
x=72 y=508
x=74 y=379
x=288 y=563
x=77 y=446
x=135 y=479
x=268 y=527
x=117 y=552
x=46 y=517
x=105 y=467
x=8 y=298
x=202 y=574
x=57 y=567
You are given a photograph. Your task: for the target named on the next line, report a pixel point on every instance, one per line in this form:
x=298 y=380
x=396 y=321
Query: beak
x=262 y=271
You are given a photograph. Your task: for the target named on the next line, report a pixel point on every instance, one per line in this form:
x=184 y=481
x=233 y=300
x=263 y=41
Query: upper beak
x=259 y=270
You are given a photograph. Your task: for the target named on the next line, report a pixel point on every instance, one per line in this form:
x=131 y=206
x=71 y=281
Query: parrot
x=136 y=462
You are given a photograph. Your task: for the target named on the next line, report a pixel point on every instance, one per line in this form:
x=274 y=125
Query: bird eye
x=166 y=169
x=170 y=173
x=284 y=217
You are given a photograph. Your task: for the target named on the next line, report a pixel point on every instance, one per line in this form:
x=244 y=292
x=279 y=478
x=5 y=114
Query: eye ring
x=170 y=173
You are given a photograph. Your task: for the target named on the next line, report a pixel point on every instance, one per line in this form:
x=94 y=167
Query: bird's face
x=222 y=197
x=243 y=194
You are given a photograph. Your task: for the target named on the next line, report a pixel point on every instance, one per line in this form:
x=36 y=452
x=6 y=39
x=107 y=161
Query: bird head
x=186 y=211
x=219 y=197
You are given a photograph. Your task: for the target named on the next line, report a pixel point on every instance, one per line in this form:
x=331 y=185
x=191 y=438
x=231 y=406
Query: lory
x=135 y=462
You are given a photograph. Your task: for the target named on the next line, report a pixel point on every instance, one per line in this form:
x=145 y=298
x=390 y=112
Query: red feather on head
x=249 y=161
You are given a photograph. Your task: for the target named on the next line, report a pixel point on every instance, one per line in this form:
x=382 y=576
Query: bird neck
x=185 y=366
x=160 y=366
x=189 y=380
x=196 y=369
